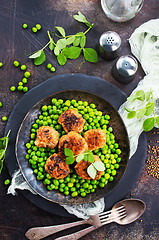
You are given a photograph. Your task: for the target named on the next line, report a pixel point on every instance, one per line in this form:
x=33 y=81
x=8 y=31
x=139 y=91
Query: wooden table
x=17 y=214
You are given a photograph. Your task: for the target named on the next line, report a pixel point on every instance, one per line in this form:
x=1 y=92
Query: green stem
x=46 y=45
x=87 y=30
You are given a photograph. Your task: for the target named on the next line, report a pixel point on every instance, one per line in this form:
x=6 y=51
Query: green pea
x=116 y=166
x=25 y=26
x=4 y=119
x=107 y=176
x=16 y=63
x=107 y=117
x=49 y=65
x=62 y=185
x=44 y=108
x=7 y=181
x=70 y=184
x=52 y=69
x=23 y=67
x=74 y=194
x=61 y=180
x=83 y=194
x=118 y=151
x=114 y=172
x=66 y=193
x=85 y=185
x=25 y=89
x=12 y=88
x=34 y=29
x=20 y=88
x=101 y=184
x=36 y=171
x=55 y=182
x=111 y=178
x=27 y=74
x=38 y=26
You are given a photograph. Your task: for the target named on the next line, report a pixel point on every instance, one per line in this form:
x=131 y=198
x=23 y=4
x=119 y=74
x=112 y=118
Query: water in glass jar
x=121 y=10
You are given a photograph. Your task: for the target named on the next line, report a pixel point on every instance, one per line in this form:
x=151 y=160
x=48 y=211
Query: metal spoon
x=134 y=209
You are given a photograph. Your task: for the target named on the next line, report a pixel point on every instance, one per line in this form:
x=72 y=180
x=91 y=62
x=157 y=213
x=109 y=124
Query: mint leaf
x=56 y=51
x=1 y=144
x=141 y=113
x=68 y=152
x=148 y=124
x=36 y=54
x=90 y=55
x=149 y=108
x=66 y=52
x=157 y=120
x=131 y=115
x=61 y=59
x=131 y=98
x=99 y=165
x=85 y=158
x=70 y=160
x=70 y=40
x=61 y=43
x=74 y=52
x=61 y=31
x=91 y=170
x=79 y=157
x=91 y=157
x=39 y=60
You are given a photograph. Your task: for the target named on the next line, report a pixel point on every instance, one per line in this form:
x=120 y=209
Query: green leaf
x=2 y=154
x=149 y=108
x=157 y=120
x=128 y=109
x=99 y=165
x=90 y=55
x=91 y=157
x=70 y=160
x=85 y=157
x=61 y=43
x=140 y=95
x=1 y=144
x=91 y=170
x=39 y=60
x=80 y=157
x=36 y=54
x=61 y=59
x=74 y=52
x=51 y=46
x=83 y=41
x=68 y=152
x=77 y=40
x=141 y=113
x=66 y=52
x=131 y=98
x=148 y=124
x=56 y=51
x=131 y=115
x=81 y=18
x=70 y=40
x=61 y=31
x=148 y=96
x=1 y=166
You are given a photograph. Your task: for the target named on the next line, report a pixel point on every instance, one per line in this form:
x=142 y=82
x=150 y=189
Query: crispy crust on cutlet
x=57 y=167
x=71 y=120
x=95 y=138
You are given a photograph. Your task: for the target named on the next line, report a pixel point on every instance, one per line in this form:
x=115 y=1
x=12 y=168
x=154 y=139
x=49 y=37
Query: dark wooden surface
x=16 y=213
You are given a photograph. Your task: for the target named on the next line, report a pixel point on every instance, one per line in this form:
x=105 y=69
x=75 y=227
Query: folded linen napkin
x=144 y=44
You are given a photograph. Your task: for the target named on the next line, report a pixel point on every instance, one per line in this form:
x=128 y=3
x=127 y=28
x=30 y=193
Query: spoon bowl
x=134 y=209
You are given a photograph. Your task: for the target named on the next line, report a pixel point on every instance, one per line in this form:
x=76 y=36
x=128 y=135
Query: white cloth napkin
x=144 y=44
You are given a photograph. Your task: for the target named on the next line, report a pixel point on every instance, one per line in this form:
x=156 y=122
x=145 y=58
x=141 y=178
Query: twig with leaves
x=3 y=147
x=92 y=169
x=67 y=47
x=147 y=97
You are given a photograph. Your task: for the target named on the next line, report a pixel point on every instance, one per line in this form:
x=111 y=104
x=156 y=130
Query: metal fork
x=95 y=220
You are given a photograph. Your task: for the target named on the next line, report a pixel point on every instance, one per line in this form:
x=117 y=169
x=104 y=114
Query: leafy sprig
x=3 y=147
x=147 y=97
x=67 y=47
x=86 y=156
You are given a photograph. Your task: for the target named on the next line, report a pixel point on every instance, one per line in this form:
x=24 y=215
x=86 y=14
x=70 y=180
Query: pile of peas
x=73 y=184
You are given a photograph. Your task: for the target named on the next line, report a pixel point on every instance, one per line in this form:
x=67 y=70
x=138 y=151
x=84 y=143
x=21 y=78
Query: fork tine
x=107 y=215
x=111 y=219
x=116 y=209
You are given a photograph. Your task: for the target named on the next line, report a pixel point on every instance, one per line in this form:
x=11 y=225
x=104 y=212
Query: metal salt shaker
x=125 y=69
x=109 y=45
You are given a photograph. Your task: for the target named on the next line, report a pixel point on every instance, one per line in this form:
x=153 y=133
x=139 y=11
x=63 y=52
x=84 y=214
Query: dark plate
x=93 y=85
x=24 y=133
